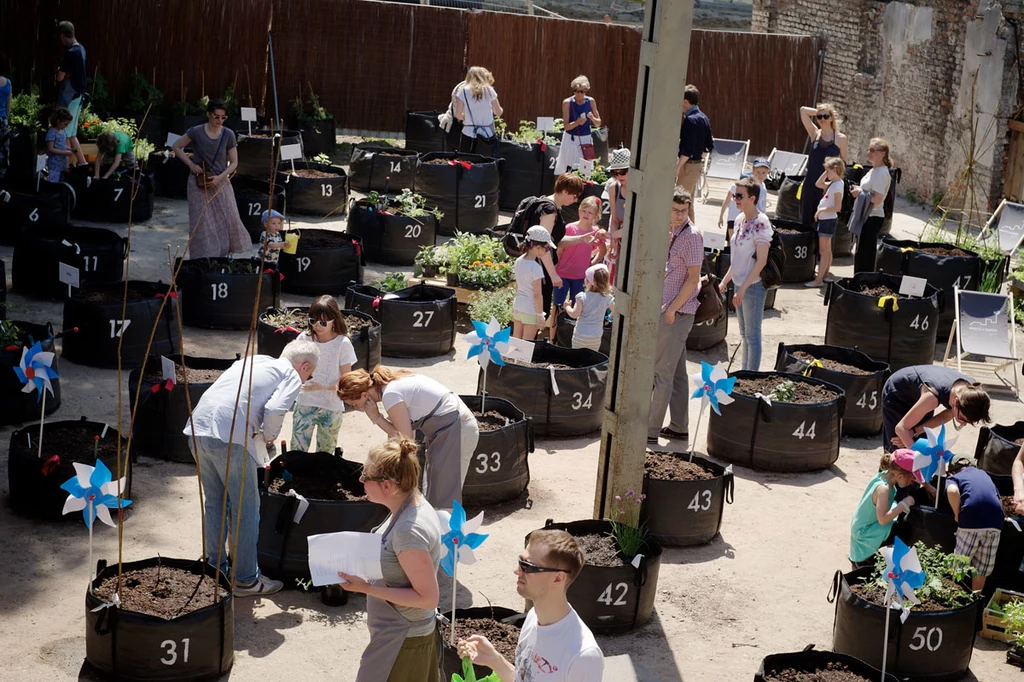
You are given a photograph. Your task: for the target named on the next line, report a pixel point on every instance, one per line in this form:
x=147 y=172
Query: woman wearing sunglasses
x=580 y=115
x=912 y=395
x=215 y=227
x=400 y=608
x=413 y=402
x=319 y=406
x=615 y=191
x=822 y=125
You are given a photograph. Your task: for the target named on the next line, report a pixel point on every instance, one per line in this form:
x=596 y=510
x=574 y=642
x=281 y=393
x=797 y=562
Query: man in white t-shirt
x=554 y=644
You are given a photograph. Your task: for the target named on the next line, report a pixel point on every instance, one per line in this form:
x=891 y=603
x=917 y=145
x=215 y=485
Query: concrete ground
x=757 y=589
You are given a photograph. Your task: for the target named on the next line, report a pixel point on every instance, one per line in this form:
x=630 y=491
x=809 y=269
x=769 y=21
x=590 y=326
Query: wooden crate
x=461 y=293
x=992 y=626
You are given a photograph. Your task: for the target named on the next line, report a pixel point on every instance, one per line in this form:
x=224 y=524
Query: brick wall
x=898 y=70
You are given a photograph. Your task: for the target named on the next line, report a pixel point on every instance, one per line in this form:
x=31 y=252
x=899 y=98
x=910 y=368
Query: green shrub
x=483 y=305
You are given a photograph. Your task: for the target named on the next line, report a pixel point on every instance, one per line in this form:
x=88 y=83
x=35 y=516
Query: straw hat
x=620 y=159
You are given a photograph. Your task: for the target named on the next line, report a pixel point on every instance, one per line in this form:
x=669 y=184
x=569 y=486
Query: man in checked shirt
x=678 y=304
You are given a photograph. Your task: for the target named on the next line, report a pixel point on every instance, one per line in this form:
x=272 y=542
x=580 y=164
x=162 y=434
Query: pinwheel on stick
x=35 y=371
x=93 y=492
x=714 y=386
x=486 y=343
x=903 y=575
x=931 y=455
x=457 y=545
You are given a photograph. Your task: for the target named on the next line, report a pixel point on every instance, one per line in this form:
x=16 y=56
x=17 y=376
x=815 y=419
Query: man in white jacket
x=224 y=434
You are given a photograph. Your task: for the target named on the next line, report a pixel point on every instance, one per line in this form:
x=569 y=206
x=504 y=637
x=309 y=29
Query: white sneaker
x=263 y=586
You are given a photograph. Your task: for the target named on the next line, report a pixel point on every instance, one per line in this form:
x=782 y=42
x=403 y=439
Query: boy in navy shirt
x=974 y=499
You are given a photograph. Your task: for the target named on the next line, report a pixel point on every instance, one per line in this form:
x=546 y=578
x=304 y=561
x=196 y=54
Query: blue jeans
x=570 y=287
x=212 y=455
x=749 y=315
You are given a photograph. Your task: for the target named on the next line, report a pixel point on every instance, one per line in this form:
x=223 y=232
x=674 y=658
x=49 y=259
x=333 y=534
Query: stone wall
x=913 y=73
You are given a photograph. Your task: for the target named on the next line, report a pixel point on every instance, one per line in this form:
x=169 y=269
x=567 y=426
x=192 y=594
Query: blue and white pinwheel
x=713 y=385
x=932 y=451
x=92 y=485
x=461 y=538
x=488 y=341
x=35 y=370
x=903 y=575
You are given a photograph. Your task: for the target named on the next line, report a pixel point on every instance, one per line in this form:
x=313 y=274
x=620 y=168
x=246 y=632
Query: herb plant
x=296 y=319
x=783 y=392
x=1013 y=618
x=945 y=575
x=393 y=281
x=10 y=335
x=144 y=95
x=25 y=110
x=630 y=535
x=483 y=305
x=414 y=205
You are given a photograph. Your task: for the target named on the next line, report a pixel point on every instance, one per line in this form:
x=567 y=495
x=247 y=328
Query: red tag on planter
x=376 y=302
x=173 y=294
x=543 y=144
x=465 y=164
x=50 y=465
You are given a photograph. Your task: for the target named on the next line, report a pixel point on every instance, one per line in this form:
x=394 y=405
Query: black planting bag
x=21 y=168
x=120 y=198
x=126 y=645
x=500 y=468
x=314 y=196
x=253 y=197
x=34 y=482
x=418 y=322
x=224 y=300
x=424 y=134
x=161 y=414
x=800 y=248
x=684 y=513
x=996 y=448
x=15 y=405
x=451 y=663
x=788 y=206
x=778 y=437
x=271 y=340
x=935 y=528
x=930 y=645
x=257 y=156
x=283 y=550
x=48 y=209
x=809 y=661
x=566 y=327
x=466 y=190
x=577 y=409
x=324 y=262
x=1010 y=555
x=318 y=136
x=170 y=176
x=900 y=337
x=528 y=170
x=901 y=257
x=389 y=237
x=94 y=327
x=613 y=599
x=98 y=254
x=377 y=167
x=862 y=415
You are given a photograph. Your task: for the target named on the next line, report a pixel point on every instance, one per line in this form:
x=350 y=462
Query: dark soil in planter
x=943 y=251
x=75 y=443
x=875 y=594
x=195 y=376
x=806 y=394
x=445 y=162
x=600 y=550
x=324 y=240
x=878 y=290
x=830 y=364
x=786 y=230
x=315 y=485
x=832 y=672
x=115 y=295
x=490 y=420
x=670 y=466
x=353 y=323
x=311 y=173
x=504 y=636
x=542 y=365
x=161 y=591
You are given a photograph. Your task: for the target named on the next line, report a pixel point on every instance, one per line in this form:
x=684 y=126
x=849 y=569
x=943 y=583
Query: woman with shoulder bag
x=580 y=115
x=476 y=106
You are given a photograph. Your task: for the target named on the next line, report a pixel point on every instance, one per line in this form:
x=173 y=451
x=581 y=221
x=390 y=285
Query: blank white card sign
x=912 y=286
x=345 y=552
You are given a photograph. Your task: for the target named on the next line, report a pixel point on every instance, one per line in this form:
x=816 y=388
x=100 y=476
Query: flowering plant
x=630 y=535
x=486 y=275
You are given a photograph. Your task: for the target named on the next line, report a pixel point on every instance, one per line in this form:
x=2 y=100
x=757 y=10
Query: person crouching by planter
x=318 y=405
x=749 y=248
x=400 y=608
x=871 y=525
x=271 y=243
x=227 y=424
x=978 y=512
x=590 y=307
x=117 y=151
x=826 y=218
x=413 y=402
x=216 y=229
x=678 y=304
x=911 y=395
x=528 y=306
x=554 y=642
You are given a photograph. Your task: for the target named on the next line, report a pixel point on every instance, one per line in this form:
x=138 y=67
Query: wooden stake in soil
x=455 y=582
x=42 y=416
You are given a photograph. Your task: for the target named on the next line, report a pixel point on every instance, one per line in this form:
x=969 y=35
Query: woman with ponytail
x=911 y=396
x=400 y=608
x=876 y=182
x=413 y=402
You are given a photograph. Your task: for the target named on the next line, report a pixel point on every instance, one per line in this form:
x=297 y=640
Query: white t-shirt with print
x=333 y=354
x=877 y=180
x=420 y=394
x=836 y=187
x=526 y=272
x=743 y=246
x=565 y=651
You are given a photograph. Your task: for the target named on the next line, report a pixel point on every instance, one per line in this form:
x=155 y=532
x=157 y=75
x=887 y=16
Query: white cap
x=539 y=233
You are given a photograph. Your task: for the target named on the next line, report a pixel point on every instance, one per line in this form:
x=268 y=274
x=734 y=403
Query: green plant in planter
x=527 y=133
x=630 y=535
x=783 y=392
x=393 y=281
x=945 y=576
x=142 y=149
x=413 y=205
x=232 y=267
x=10 y=334
x=311 y=109
x=468 y=249
x=25 y=110
x=483 y=305
x=296 y=319
x=1013 y=618
x=322 y=158
x=428 y=256
x=598 y=176
x=144 y=96
x=100 y=99
x=486 y=275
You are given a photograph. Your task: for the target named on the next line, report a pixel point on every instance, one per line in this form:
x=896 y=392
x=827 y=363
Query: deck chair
x=1008 y=222
x=725 y=162
x=787 y=163
x=984 y=326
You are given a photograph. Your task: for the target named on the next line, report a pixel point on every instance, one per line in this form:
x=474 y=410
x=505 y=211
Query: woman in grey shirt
x=400 y=608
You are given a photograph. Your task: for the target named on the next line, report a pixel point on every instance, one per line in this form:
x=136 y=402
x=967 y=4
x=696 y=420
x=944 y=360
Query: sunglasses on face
x=581 y=92
x=363 y=478
x=219 y=118
x=527 y=567
x=739 y=197
x=823 y=117
x=619 y=173
x=319 y=323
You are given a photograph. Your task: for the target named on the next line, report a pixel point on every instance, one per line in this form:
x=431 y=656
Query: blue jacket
x=695 y=134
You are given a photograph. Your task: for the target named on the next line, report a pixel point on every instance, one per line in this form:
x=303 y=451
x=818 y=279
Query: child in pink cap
x=872 y=520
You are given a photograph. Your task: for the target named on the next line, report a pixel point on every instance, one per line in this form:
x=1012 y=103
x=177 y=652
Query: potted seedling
x=314 y=122
x=377 y=167
x=394 y=229
x=219 y=293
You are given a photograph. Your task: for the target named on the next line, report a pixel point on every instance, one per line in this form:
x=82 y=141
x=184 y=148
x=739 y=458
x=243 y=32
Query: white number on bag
x=117 y=192
x=94 y=260
x=220 y=290
x=609 y=599
x=303 y=263
x=34 y=215
x=578 y=401
x=553 y=162
x=422 y=319
x=255 y=208
x=865 y=403
x=117 y=327
x=926 y=637
x=481 y=201
x=413 y=231
x=697 y=505
x=800 y=252
x=396 y=166
x=962 y=281
x=170 y=648
x=920 y=323
x=326 y=190
x=801 y=433
x=484 y=466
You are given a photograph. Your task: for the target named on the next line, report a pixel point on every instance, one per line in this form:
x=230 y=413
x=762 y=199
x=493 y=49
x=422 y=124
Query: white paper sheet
x=348 y=552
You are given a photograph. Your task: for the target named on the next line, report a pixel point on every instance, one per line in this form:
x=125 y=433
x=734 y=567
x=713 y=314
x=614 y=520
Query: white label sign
x=249 y=114
x=40 y=163
x=520 y=349
x=171 y=139
x=68 y=275
x=545 y=123
x=912 y=286
x=291 y=151
x=714 y=240
x=167 y=365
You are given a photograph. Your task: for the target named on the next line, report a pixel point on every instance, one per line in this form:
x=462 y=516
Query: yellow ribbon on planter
x=291 y=242
x=906 y=248
x=814 y=363
x=883 y=299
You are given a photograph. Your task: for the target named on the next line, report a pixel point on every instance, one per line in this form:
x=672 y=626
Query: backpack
x=514 y=237
x=771 y=273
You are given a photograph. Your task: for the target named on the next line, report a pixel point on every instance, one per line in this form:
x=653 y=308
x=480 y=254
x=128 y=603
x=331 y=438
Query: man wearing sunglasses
x=554 y=644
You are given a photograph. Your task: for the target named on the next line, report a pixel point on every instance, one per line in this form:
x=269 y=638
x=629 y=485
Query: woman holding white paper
x=400 y=608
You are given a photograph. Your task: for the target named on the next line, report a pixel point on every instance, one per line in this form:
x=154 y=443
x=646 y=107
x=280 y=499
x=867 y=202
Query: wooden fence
x=372 y=61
